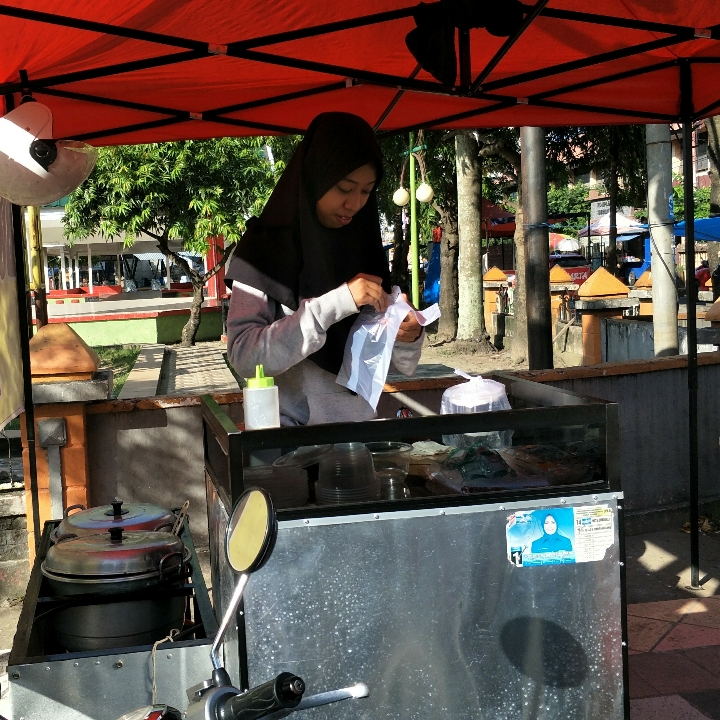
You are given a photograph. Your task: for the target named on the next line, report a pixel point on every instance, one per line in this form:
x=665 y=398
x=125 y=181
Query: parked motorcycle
x=249 y=542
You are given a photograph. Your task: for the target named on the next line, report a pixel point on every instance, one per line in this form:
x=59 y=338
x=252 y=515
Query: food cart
x=635 y=64
x=428 y=599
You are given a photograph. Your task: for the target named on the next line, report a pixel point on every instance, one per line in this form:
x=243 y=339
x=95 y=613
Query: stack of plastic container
x=346 y=475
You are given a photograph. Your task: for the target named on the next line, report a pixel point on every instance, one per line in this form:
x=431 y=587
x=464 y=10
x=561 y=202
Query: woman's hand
x=367 y=290
x=410 y=328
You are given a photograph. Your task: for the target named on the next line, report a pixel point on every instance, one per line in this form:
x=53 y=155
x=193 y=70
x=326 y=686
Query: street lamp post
x=413 y=231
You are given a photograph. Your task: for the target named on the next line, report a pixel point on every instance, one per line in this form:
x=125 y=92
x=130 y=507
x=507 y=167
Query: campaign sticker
x=559 y=536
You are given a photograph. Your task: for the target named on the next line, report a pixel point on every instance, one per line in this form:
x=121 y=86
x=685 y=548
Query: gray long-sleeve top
x=262 y=331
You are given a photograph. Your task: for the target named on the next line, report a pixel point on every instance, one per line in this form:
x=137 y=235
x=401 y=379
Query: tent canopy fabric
x=706 y=229
x=624 y=225
x=149 y=70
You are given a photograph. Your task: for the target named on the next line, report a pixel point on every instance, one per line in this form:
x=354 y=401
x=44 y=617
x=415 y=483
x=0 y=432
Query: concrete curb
x=144 y=377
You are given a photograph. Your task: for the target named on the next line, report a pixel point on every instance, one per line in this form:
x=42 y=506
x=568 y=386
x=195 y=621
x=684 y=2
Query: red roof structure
x=145 y=71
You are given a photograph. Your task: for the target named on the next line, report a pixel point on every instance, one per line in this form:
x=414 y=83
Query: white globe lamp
x=401 y=197
x=424 y=193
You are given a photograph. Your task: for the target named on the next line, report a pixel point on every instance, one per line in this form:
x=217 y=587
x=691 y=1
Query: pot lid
x=129 y=516
x=115 y=554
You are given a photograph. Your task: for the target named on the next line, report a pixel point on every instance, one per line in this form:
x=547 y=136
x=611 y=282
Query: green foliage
x=574 y=151
x=702 y=202
x=568 y=199
x=120 y=359
x=185 y=191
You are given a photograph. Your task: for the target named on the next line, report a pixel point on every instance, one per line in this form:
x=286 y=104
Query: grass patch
x=120 y=359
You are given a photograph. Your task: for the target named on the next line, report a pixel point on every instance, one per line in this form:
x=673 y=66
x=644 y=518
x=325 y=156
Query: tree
x=471 y=316
x=439 y=157
x=713 y=127
x=188 y=191
x=500 y=150
x=616 y=153
x=563 y=198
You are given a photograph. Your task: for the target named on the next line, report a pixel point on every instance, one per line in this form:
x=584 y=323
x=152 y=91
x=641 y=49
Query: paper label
x=558 y=536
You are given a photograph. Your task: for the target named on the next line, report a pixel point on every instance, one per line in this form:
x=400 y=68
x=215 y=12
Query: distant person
x=551 y=540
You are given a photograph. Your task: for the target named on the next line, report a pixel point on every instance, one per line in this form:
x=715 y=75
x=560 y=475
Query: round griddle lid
x=115 y=553
x=129 y=516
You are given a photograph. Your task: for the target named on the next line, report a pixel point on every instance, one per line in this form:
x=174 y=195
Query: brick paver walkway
x=674 y=648
x=197 y=370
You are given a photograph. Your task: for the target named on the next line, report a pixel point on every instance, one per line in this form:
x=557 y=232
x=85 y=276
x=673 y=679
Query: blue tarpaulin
x=707 y=229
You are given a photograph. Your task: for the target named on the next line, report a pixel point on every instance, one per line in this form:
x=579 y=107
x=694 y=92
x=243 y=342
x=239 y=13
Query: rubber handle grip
x=283 y=693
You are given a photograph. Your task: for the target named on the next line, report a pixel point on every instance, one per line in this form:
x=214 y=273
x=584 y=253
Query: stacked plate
x=346 y=475
x=288 y=486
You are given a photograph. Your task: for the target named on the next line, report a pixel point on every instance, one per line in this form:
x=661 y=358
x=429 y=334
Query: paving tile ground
x=197 y=370
x=674 y=663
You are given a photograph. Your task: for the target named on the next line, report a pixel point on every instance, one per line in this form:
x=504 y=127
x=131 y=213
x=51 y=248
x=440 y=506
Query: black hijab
x=289 y=255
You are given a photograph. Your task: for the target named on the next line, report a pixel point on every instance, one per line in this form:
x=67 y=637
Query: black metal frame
x=32 y=610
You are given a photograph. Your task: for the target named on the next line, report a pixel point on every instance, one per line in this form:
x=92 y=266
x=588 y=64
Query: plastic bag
x=476 y=395
x=369 y=346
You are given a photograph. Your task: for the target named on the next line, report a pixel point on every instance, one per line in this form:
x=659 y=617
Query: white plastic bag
x=369 y=346
x=476 y=395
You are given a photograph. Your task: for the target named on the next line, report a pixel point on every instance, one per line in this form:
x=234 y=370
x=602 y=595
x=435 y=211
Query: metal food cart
x=427 y=599
x=48 y=683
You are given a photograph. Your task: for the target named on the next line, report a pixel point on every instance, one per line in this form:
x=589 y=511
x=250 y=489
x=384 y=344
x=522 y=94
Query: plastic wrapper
x=476 y=395
x=369 y=346
x=557 y=466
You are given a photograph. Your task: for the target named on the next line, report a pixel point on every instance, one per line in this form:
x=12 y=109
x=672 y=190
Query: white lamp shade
x=424 y=193
x=401 y=197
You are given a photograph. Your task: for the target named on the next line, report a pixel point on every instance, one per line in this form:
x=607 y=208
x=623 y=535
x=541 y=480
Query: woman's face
x=550 y=526
x=348 y=196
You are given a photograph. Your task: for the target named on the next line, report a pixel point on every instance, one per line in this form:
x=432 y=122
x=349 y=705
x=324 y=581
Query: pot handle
x=74 y=507
x=175 y=568
x=169 y=524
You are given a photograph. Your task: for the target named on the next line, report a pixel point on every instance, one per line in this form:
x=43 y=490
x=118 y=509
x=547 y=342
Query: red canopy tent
x=146 y=70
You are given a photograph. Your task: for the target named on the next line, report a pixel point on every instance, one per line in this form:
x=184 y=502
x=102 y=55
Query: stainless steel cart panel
x=426 y=608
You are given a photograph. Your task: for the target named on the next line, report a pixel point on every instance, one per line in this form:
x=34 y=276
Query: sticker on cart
x=594 y=532
x=541 y=537
x=559 y=536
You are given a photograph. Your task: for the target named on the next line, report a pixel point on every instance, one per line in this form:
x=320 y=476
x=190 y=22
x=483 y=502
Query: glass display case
x=486 y=582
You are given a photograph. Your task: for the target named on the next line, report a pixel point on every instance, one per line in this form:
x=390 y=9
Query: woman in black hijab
x=306 y=266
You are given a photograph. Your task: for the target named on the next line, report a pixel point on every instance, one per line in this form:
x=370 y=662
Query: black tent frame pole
x=23 y=293
x=686 y=105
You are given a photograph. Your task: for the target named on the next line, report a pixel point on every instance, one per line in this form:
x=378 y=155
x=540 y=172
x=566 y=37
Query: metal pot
x=142 y=571
x=114 y=562
x=128 y=516
x=119 y=624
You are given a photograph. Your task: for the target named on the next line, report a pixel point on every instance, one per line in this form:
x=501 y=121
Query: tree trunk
x=448 y=323
x=399 y=274
x=713 y=127
x=187 y=337
x=612 y=196
x=520 y=337
x=471 y=318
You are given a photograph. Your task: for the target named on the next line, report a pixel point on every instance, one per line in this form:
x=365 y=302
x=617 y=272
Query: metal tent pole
x=23 y=295
x=686 y=104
